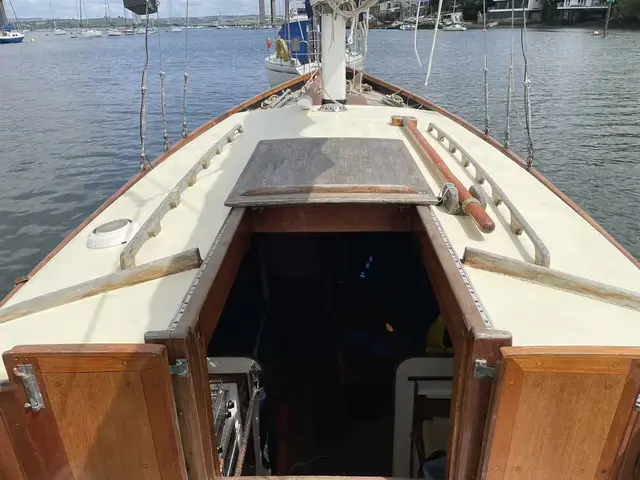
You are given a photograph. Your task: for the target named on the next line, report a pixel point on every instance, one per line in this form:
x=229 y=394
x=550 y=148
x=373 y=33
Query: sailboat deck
x=534 y=314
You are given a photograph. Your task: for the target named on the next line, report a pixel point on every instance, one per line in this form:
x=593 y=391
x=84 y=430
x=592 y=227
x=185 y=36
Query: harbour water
x=69 y=131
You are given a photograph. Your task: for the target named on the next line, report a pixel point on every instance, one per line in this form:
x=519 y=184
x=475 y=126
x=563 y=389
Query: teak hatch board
x=330 y=170
x=9 y=465
x=108 y=413
x=563 y=412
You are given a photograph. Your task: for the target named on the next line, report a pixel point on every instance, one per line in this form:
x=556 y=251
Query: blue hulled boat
x=7 y=33
x=293 y=54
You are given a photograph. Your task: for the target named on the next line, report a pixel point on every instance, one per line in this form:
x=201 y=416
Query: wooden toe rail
x=152 y=227
x=470 y=205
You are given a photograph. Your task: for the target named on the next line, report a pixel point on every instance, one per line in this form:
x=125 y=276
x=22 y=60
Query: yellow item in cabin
x=435 y=337
x=282 y=50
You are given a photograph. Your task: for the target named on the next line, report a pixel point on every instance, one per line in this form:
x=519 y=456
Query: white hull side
x=91 y=33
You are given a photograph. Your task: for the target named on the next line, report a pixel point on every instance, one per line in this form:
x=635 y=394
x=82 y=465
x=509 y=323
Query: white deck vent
x=112 y=234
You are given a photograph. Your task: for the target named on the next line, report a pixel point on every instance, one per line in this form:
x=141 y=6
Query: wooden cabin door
x=564 y=413
x=93 y=412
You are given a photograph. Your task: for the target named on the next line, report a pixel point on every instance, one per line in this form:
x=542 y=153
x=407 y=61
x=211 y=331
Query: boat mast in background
x=56 y=30
x=3 y=16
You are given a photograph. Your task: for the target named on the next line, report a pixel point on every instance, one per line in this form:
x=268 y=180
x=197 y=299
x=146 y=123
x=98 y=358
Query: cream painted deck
x=535 y=315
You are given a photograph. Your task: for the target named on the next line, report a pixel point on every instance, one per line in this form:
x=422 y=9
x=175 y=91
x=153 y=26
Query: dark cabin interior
x=328 y=316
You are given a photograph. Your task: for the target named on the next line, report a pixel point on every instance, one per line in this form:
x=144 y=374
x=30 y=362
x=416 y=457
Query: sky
x=95 y=8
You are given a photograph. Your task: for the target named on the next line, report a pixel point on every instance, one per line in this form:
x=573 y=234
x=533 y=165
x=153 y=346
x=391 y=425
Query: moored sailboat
x=7 y=33
x=336 y=276
x=86 y=31
x=56 y=30
x=11 y=36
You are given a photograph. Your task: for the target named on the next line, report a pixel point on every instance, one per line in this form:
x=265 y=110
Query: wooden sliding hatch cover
x=293 y=171
x=564 y=413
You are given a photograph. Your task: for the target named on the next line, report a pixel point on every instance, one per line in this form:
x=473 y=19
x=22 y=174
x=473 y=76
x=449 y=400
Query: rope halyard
x=144 y=160
x=527 y=84
x=186 y=75
x=433 y=43
x=507 y=128
x=415 y=35
x=165 y=135
x=486 y=69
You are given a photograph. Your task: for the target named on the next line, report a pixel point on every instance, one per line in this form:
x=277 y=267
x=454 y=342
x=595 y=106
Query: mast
x=3 y=16
x=273 y=12
x=334 y=64
x=55 y=27
x=262 y=15
x=606 y=24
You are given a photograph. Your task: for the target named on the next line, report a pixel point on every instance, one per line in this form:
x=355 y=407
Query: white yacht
x=454 y=27
x=90 y=33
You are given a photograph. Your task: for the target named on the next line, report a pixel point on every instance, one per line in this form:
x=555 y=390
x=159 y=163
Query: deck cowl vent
x=112 y=234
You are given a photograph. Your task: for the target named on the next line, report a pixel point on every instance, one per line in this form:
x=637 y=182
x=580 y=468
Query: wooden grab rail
x=517 y=222
x=173 y=264
x=470 y=205
x=152 y=227
x=548 y=277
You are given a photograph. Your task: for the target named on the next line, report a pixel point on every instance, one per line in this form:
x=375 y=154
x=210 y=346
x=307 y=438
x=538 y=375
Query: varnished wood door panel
x=562 y=413
x=9 y=466
x=108 y=413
